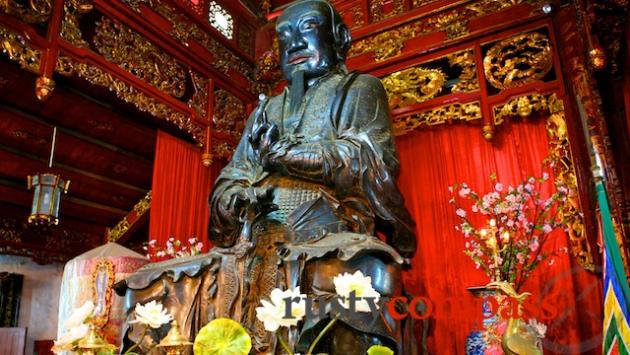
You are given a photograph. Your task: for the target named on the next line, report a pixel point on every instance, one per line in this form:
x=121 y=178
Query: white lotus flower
x=272 y=314
x=362 y=287
x=152 y=314
x=80 y=315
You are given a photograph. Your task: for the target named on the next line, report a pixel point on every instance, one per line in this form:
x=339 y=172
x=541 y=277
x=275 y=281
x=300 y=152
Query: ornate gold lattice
x=199 y=100
x=453 y=22
x=135 y=54
x=518 y=60
x=16 y=48
x=376 y=10
x=229 y=113
x=185 y=30
x=37 y=11
x=123 y=225
x=468 y=78
x=470 y=111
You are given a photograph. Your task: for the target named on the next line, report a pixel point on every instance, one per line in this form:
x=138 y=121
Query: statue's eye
x=283 y=35
x=309 y=25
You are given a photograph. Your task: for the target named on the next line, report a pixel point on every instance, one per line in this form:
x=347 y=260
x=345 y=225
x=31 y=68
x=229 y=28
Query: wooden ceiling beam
x=63 y=129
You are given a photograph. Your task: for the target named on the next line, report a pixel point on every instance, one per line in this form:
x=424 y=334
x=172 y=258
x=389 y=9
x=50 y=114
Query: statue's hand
x=246 y=202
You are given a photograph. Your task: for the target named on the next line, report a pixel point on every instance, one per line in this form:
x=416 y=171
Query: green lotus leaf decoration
x=222 y=336
x=379 y=350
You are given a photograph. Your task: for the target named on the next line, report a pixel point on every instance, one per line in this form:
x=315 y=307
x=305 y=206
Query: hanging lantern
x=47 y=197
x=47 y=190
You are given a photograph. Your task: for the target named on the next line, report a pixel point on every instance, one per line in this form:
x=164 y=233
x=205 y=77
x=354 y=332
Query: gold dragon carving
x=470 y=111
x=413 y=85
x=454 y=22
x=135 y=54
x=419 y=83
x=518 y=60
x=560 y=156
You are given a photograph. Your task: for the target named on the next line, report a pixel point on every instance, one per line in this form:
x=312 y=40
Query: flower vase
x=487 y=340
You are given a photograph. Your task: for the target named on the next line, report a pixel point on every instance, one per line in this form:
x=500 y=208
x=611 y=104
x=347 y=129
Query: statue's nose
x=296 y=42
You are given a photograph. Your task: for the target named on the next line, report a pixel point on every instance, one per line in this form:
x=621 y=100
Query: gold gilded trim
x=70 y=30
x=102 y=292
x=470 y=111
x=376 y=10
x=123 y=226
x=468 y=78
x=37 y=11
x=184 y=29
x=148 y=63
x=454 y=22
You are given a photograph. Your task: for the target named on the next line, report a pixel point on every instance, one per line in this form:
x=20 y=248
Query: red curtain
x=434 y=159
x=181 y=187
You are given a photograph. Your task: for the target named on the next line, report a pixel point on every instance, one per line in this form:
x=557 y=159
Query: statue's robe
x=345 y=118
x=343 y=123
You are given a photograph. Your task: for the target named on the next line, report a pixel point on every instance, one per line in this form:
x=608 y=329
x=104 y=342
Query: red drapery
x=432 y=160
x=180 y=189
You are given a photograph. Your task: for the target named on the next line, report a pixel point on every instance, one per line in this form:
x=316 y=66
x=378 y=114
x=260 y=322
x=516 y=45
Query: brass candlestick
x=174 y=343
x=93 y=344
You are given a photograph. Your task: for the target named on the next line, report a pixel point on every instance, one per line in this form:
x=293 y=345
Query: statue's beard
x=298 y=87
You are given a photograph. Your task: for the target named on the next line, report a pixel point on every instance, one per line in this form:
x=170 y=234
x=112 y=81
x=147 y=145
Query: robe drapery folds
x=354 y=144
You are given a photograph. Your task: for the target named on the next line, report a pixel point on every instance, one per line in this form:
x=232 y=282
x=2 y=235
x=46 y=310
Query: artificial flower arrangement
x=174 y=249
x=505 y=232
x=152 y=315
x=225 y=336
x=517 y=222
x=78 y=326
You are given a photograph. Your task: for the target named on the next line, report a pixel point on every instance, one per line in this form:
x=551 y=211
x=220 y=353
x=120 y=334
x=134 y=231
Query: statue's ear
x=342 y=39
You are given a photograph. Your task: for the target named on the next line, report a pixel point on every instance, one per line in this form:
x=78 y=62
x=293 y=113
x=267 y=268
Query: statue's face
x=306 y=40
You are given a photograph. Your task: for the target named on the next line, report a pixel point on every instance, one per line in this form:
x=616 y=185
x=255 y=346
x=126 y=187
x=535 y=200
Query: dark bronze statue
x=310 y=185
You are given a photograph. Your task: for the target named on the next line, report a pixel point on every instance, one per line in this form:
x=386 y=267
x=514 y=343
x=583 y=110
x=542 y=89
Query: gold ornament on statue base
x=174 y=343
x=93 y=344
